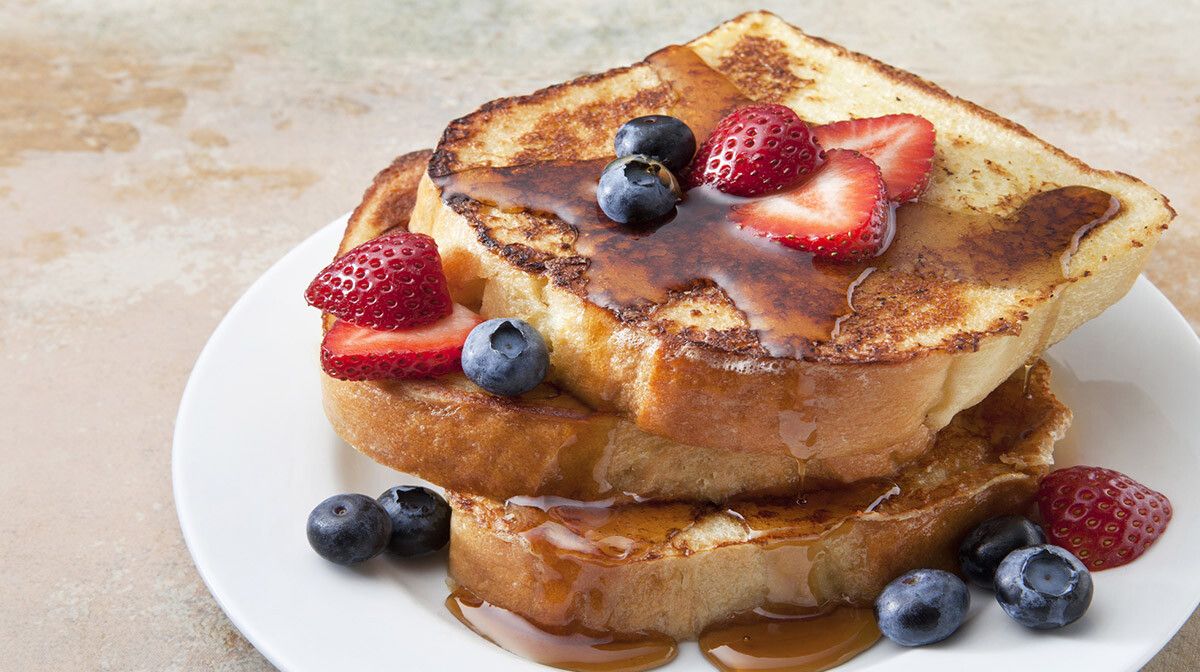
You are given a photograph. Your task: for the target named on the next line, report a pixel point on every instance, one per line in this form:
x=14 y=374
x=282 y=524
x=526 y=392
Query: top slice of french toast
x=924 y=332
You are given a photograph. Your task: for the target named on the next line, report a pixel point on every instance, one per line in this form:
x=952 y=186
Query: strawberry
x=351 y=352
x=902 y=145
x=755 y=150
x=1104 y=517
x=391 y=282
x=842 y=212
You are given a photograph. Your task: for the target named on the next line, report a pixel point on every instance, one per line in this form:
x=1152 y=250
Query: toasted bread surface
x=914 y=351
x=677 y=567
x=388 y=202
x=547 y=442
x=448 y=431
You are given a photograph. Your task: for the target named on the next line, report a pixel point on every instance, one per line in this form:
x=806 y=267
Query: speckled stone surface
x=155 y=158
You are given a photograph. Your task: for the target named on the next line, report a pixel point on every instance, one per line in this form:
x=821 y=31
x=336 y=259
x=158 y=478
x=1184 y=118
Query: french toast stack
x=680 y=466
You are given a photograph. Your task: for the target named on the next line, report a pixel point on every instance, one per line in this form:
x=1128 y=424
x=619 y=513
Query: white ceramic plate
x=253 y=454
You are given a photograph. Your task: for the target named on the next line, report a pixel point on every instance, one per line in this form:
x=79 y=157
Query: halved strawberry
x=842 y=212
x=392 y=282
x=351 y=352
x=902 y=145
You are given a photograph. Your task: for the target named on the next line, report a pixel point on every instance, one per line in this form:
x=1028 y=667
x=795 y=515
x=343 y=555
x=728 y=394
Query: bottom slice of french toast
x=675 y=568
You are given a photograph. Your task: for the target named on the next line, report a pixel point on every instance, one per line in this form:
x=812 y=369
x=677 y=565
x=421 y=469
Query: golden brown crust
x=388 y=202
x=773 y=77
x=446 y=159
x=549 y=444
x=929 y=88
x=386 y=205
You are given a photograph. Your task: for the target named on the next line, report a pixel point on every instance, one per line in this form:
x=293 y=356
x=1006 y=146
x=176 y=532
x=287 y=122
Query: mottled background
x=156 y=157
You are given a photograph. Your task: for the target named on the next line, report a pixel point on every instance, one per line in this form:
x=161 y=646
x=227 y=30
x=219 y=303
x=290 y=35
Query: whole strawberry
x=1104 y=517
x=391 y=282
x=756 y=150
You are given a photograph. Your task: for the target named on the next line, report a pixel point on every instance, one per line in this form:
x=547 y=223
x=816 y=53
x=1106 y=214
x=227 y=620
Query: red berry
x=351 y=352
x=755 y=150
x=842 y=212
x=1104 y=517
x=391 y=282
x=902 y=145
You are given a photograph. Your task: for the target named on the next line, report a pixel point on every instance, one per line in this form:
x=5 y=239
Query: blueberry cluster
x=1039 y=585
x=640 y=185
x=407 y=521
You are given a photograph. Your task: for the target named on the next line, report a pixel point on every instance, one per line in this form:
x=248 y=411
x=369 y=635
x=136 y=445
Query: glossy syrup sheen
x=789 y=641
x=779 y=638
x=790 y=299
x=703 y=95
x=580 y=542
x=566 y=647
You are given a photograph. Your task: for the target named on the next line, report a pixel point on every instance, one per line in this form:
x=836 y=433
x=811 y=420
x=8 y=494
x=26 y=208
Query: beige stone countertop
x=156 y=158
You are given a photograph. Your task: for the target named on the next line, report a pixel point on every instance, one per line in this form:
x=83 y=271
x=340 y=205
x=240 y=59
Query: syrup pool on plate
x=566 y=647
x=786 y=640
x=770 y=638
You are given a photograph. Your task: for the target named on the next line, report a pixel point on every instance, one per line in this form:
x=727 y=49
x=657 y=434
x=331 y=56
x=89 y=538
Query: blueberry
x=1043 y=587
x=637 y=189
x=922 y=607
x=505 y=356
x=983 y=549
x=348 y=529
x=659 y=137
x=420 y=520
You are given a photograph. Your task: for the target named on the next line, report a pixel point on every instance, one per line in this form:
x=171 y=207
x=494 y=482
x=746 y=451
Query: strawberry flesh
x=351 y=352
x=756 y=149
x=842 y=212
x=392 y=282
x=1104 y=517
x=901 y=144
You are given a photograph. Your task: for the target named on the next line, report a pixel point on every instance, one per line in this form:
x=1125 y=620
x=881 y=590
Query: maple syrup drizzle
x=577 y=544
x=703 y=96
x=567 y=647
x=790 y=298
x=787 y=640
x=579 y=541
x=776 y=637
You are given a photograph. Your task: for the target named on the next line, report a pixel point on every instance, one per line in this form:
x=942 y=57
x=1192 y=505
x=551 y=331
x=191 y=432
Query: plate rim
x=244 y=628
